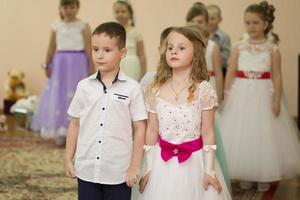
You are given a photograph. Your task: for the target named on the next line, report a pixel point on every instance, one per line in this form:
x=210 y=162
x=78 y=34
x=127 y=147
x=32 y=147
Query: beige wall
x=25 y=29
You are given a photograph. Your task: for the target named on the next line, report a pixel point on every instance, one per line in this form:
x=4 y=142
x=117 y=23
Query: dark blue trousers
x=96 y=191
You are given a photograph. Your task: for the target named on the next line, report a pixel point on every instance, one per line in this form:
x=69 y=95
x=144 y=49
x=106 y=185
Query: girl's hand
x=143 y=182
x=48 y=72
x=132 y=176
x=276 y=108
x=224 y=102
x=208 y=180
x=69 y=169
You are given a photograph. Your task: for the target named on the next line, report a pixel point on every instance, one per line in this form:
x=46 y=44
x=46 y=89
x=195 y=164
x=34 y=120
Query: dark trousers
x=96 y=191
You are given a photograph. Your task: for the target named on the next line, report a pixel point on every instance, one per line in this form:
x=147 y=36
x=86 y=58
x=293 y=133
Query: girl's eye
x=170 y=48
x=107 y=50
x=95 y=49
x=182 y=48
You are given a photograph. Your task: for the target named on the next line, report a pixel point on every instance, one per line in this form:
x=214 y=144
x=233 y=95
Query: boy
x=105 y=108
x=217 y=35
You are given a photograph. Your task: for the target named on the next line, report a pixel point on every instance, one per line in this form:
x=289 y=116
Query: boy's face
x=213 y=22
x=106 y=52
x=200 y=21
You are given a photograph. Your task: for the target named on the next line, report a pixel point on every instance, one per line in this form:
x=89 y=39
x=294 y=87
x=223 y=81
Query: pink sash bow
x=183 y=151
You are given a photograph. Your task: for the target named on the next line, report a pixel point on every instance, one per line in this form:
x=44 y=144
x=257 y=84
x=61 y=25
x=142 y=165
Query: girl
x=134 y=64
x=68 y=60
x=259 y=136
x=180 y=133
x=198 y=15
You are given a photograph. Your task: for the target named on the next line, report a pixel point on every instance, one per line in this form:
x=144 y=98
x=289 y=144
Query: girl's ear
x=266 y=25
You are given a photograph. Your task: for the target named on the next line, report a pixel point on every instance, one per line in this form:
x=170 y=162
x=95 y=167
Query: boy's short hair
x=113 y=30
x=214 y=9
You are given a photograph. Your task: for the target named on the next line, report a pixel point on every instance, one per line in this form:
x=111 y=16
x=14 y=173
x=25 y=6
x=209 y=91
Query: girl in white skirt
x=260 y=138
x=180 y=134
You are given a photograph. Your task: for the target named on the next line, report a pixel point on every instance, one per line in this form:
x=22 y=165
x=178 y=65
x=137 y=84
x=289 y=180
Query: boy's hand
x=69 y=169
x=208 y=180
x=132 y=175
x=143 y=182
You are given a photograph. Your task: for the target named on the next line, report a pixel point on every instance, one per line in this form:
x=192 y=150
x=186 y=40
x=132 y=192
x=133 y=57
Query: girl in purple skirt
x=68 y=60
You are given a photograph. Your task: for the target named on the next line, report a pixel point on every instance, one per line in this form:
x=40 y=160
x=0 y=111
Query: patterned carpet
x=31 y=168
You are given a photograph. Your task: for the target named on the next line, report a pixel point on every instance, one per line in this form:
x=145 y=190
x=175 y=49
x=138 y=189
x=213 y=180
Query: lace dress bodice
x=255 y=56
x=181 y=123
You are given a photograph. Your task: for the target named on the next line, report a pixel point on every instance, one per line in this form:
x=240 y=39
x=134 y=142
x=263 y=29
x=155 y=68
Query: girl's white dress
x=259 y=146
x=130 y=65
x=177 y=124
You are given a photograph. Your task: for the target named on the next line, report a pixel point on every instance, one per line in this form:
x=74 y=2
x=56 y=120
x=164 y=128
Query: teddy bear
x=14 y=89
x=3 y=124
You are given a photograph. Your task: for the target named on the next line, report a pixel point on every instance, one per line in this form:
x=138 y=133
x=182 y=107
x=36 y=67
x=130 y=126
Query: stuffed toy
x=15 y=87
x=29 y=104
x=3 y=123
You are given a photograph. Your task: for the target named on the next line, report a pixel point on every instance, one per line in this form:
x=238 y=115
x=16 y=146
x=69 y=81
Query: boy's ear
x=123 y=52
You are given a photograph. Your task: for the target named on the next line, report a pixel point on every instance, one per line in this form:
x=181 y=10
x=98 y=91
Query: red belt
x=253 y=74
x=183 y=151
x=211 y=73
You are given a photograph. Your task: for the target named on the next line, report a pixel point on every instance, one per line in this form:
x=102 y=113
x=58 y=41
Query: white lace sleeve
x=150 y=99
x=208 y=96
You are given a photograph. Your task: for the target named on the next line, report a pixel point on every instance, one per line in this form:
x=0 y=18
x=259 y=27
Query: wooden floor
x=285 y=190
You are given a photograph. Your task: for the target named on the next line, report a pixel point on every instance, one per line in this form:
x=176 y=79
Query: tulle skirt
x=171 y=180
x=259 y=147
x=68 y=68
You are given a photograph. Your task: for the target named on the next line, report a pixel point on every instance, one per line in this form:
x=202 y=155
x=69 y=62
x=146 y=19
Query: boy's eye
x=182 y=48
x=95 y=49
x=107 y=50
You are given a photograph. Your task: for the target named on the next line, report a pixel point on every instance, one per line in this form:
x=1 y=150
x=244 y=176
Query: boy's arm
x=226 y=47
x=139 y=128
x=71 y=146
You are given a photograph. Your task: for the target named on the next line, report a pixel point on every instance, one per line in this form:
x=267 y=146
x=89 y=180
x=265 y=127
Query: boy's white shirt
x=104 y=145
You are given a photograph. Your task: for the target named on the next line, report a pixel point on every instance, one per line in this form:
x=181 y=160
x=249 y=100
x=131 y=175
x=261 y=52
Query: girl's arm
x=217 y=64
x=209 y=148
x=277 y=80
x=139 y=128
x=231 y=71
x=142 y=57
x=50 y=51
x=152 y=129
x=88 y=47
x=71 y=146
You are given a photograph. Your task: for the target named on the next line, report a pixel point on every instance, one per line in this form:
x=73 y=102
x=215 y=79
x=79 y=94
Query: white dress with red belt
x=259 y=146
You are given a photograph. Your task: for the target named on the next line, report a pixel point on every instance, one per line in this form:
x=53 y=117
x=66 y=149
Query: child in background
x=180 y=134
x=68 y=60
x=134 y=65
x=198 y=15
x=106 y=109
x=217 y=35
x=260 y=137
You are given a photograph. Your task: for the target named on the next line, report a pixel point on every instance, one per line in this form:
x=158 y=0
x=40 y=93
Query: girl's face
x=255 y=25
x=200 y=21
x=180 y=51
x=121 y=13
x=69 y=12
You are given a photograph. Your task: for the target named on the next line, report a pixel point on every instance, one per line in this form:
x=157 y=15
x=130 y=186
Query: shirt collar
x=119 y=77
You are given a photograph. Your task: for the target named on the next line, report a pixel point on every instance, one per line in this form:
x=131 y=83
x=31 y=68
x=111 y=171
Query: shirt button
x=103 y=108
x=97 y=158
x=101 y=124
x=99 y=141
x=105 y=91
